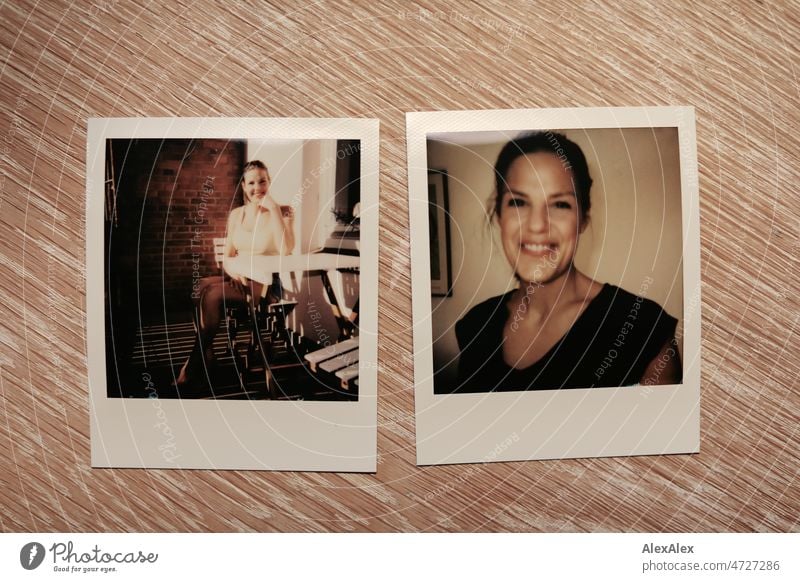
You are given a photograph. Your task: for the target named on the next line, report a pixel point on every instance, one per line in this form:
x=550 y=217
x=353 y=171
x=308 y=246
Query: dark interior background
x=172 y=199
x=166 y=201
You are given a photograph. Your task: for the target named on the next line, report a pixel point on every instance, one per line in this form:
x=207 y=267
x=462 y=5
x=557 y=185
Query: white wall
x=317 y=192
x=634 y=231
x=314 y=317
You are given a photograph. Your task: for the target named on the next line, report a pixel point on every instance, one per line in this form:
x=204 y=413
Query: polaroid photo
x=232 y=272
x=555 y=283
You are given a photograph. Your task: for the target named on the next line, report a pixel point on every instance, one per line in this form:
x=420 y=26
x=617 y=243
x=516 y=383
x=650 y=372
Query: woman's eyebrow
x=517 y=193
x=564 y=194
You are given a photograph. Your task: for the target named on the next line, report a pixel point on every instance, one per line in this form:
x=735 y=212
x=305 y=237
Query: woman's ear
x=584 y=223
x=495 y=207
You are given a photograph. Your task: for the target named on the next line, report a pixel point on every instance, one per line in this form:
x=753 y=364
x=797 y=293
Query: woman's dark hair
x=254 y=164
x=551 y=142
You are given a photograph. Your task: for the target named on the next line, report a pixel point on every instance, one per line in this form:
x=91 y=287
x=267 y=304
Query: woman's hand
x=267 y=202
x=281 y=221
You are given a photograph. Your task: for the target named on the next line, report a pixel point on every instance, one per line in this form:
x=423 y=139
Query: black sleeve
x=658 y=328
x=479 y=333
x=637 y=329
x=663 y=330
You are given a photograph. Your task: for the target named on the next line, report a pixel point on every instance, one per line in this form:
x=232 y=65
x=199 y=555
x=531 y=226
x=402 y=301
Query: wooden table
x=262 y=268
x=735 y=62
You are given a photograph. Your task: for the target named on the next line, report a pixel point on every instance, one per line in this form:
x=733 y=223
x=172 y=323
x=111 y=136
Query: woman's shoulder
x=488 y=307
x=617 y=303
x=622 y=296
x=480 y=315
x=628 y=331
x=235 y=216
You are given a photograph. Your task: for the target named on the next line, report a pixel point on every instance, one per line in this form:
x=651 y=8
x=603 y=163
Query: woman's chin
x=538 y=276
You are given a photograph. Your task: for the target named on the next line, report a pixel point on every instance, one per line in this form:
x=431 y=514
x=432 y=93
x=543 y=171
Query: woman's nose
x=538 y=219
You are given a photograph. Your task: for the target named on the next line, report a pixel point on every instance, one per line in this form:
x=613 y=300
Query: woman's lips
x=537 y=249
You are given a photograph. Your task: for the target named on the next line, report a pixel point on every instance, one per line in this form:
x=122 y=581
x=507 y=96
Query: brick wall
x=173 y=198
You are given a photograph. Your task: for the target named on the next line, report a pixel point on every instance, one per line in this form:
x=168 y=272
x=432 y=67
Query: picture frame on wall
x=439 y=228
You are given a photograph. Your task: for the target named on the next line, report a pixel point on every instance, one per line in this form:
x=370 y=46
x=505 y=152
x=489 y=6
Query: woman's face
x=539 y=218
x=255 y=184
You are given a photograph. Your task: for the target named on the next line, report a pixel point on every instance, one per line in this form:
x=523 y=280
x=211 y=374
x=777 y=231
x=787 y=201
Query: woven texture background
x=736 y=63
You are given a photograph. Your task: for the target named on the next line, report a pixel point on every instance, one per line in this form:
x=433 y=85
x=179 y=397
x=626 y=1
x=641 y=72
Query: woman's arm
x=665 y=368
x=283 y=227
x=287 y=216
x=234 y=220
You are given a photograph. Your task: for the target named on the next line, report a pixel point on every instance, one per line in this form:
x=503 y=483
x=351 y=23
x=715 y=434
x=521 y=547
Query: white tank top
x=259 y=241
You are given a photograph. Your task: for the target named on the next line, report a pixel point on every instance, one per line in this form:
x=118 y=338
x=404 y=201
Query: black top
x=610 y=344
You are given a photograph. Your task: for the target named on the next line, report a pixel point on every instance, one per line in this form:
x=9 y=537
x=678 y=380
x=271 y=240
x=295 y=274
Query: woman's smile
x=539 y=249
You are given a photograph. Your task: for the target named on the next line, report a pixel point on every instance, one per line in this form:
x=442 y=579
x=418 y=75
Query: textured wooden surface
x=737 y=63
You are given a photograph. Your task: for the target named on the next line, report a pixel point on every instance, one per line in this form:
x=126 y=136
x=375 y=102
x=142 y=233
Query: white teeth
x=536 y=248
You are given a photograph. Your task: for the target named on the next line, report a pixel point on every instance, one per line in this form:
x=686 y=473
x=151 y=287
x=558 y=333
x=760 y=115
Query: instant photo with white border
x=543 y=423
x=263 y=434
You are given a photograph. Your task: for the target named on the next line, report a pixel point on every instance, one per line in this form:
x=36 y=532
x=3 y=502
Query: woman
x=559 y=328
x=260 y=227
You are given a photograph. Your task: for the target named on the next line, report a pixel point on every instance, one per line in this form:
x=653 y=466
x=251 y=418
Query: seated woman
x=260 y=227
x=559 y=328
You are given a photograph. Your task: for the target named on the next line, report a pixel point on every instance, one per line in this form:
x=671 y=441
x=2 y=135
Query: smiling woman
x=559 y=328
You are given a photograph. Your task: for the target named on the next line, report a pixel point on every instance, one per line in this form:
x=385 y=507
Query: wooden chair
x=235 y=314
x=267 y=314
x=337 y=366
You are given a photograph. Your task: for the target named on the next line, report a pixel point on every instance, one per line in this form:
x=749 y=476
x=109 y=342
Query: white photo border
x=575 y=423
x=218 y=434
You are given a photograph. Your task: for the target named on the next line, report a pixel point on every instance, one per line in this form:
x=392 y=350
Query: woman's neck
x=542 y=298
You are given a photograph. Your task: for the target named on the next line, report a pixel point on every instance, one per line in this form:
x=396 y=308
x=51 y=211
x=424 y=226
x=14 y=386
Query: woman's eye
x=563 y=205
x=516 y=202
